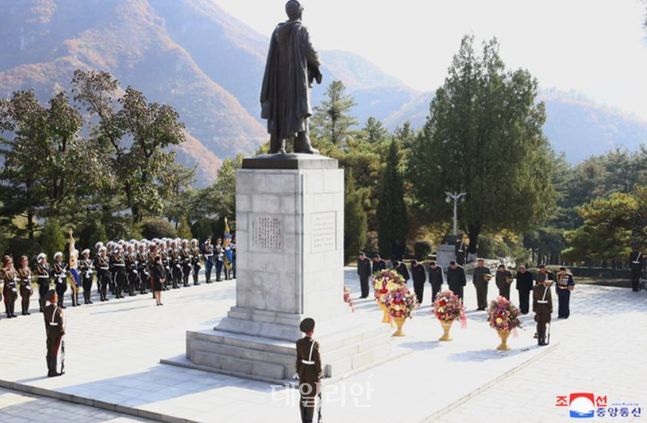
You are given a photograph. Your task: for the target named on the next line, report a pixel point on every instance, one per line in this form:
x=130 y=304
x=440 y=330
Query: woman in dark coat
x=159 y=276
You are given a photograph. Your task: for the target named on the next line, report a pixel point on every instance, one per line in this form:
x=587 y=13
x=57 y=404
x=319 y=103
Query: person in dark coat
x=636 y=259
x=456 y=279
x=364 y=272
x=398 y=250
x=9 y=279
x=309 y=370
x=419 y=277
x=401 y=268
x=158 y=273
x=524 y=286
x=481 y=279
x=435 y=279
x=542 y=305
x=378 y=263
x=565 y=284
x=503 y=279
x=54 y=329
x=292 y=65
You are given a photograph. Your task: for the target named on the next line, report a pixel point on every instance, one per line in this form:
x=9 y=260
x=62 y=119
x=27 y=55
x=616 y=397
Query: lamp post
x=456 y=197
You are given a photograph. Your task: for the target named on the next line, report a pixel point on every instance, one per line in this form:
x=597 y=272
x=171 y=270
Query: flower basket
x=400 y=302
x=448 y=307
x=348 y=299
x=383 y=282
x=503 y=316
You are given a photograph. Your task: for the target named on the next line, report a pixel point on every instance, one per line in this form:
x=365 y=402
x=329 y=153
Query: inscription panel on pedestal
x=324 y=232
x=266 y=233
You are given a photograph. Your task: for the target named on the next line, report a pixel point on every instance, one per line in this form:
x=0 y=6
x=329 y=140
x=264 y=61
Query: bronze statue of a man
x=292 y=66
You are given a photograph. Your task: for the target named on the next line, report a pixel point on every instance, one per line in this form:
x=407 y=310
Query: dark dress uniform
x=166 y=263
x=132 y=275
x=219 y=253
x=461 y=252
x=456 y=280
x=54 y=327
x=119 y=266
x=503 y=279
x=158 y=274
x=24 y=276
x=364 y=272
x=103 y=275
x=636 y=259
x=403 y=271
x=142 y=271
x=419 y=277
x=195 y=264
x=42 y=272
x=378 y=265
x=481 y=282
x=85 y=267
x=309 y=371
x=436 y=281
x=563 y=287
x=542 y=305
x=524 y=286
x=60 y=277
x=176 y=268
x=208 y=257
x=9 y=290
x=185 y=259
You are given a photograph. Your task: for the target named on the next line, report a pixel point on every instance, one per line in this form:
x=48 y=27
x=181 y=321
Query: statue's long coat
x=292 y=65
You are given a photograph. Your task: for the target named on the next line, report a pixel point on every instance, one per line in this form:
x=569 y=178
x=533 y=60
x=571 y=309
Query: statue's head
x=294 y=9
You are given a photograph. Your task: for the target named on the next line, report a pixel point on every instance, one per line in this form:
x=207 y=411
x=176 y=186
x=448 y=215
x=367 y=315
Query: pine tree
x=52 y=238
x=392 y=218
x=184 y=229
x=355 y=221
x=331 y=119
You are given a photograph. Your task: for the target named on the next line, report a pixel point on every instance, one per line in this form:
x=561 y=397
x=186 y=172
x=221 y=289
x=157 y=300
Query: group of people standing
x=121 y=267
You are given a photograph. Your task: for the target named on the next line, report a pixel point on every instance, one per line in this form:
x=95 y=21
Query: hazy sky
x=596 y=47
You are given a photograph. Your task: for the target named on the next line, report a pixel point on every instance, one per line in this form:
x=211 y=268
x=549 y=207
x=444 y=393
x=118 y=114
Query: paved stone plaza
x=114 y=348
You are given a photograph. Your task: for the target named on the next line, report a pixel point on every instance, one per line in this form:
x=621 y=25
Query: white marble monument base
x=290 y=240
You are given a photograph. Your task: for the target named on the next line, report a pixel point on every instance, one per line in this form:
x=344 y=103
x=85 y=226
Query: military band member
x=185 y=260
x=219 y=255
x=503 y=279
x=419 y=277
x=8 y=275
x=207 y=250
x=309 y=371
x=176 y=266
x=132 y=276
x=364 y=272
x=481 y=279
x=43 y=276
x=636 y=259
x=85 y=267
x=195 y=260
x=60 y=277
x=24 y=276
x=456 y=279
x=542 y=305
x=73 y=270
x=565 y=284
x=166 y=262
x=524 y=286
x=142 y=267
x=435 y=279
x=119 y=265
x=55 y=329
x=228 y=259
x=102 y=266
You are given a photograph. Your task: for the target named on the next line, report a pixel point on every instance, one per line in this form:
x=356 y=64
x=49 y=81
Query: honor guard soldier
x=119 y=266
x=565 y=284
x=132 y=277
x=142 y=267
x=185 y=259
x=503 y=279
x=60 y=277
x=207 y=250
x=103 y=272
x=8 y=275
x=176 y=266
x=195 y=260
x=55 y=329
x=309 y=372
x=364 y=272
x=43 y=275
x=542 y=305
x=24 y=276
x=85 y=267
x=456 y=278
x=219 y=254
x=419 y=276
x=481 y=279
x=636 y=259
x=435 y=279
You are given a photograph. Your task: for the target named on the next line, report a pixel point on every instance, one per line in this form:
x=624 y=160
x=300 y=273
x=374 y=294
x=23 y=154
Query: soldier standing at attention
x=195 y=260
x=207 y=250
x=309 y=371
x=435 y=279
x=42 y=272
x=103 y=272
x=24 y=275
x=542 y=305
x=60 y=275
x=456 y=278
x=132 y=277
x=142 y=266
x=8 y=276
x=481 y=278
x=85 y=267
x=219 y=253
x=54 y=328
x=503 y=280
x=419 y=277
x=185 y=258
x=364 y=272
x=636 y=259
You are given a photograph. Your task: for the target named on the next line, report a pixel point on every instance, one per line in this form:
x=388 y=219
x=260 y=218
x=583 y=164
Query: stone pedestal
x=444 y=255
x=290 y=238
